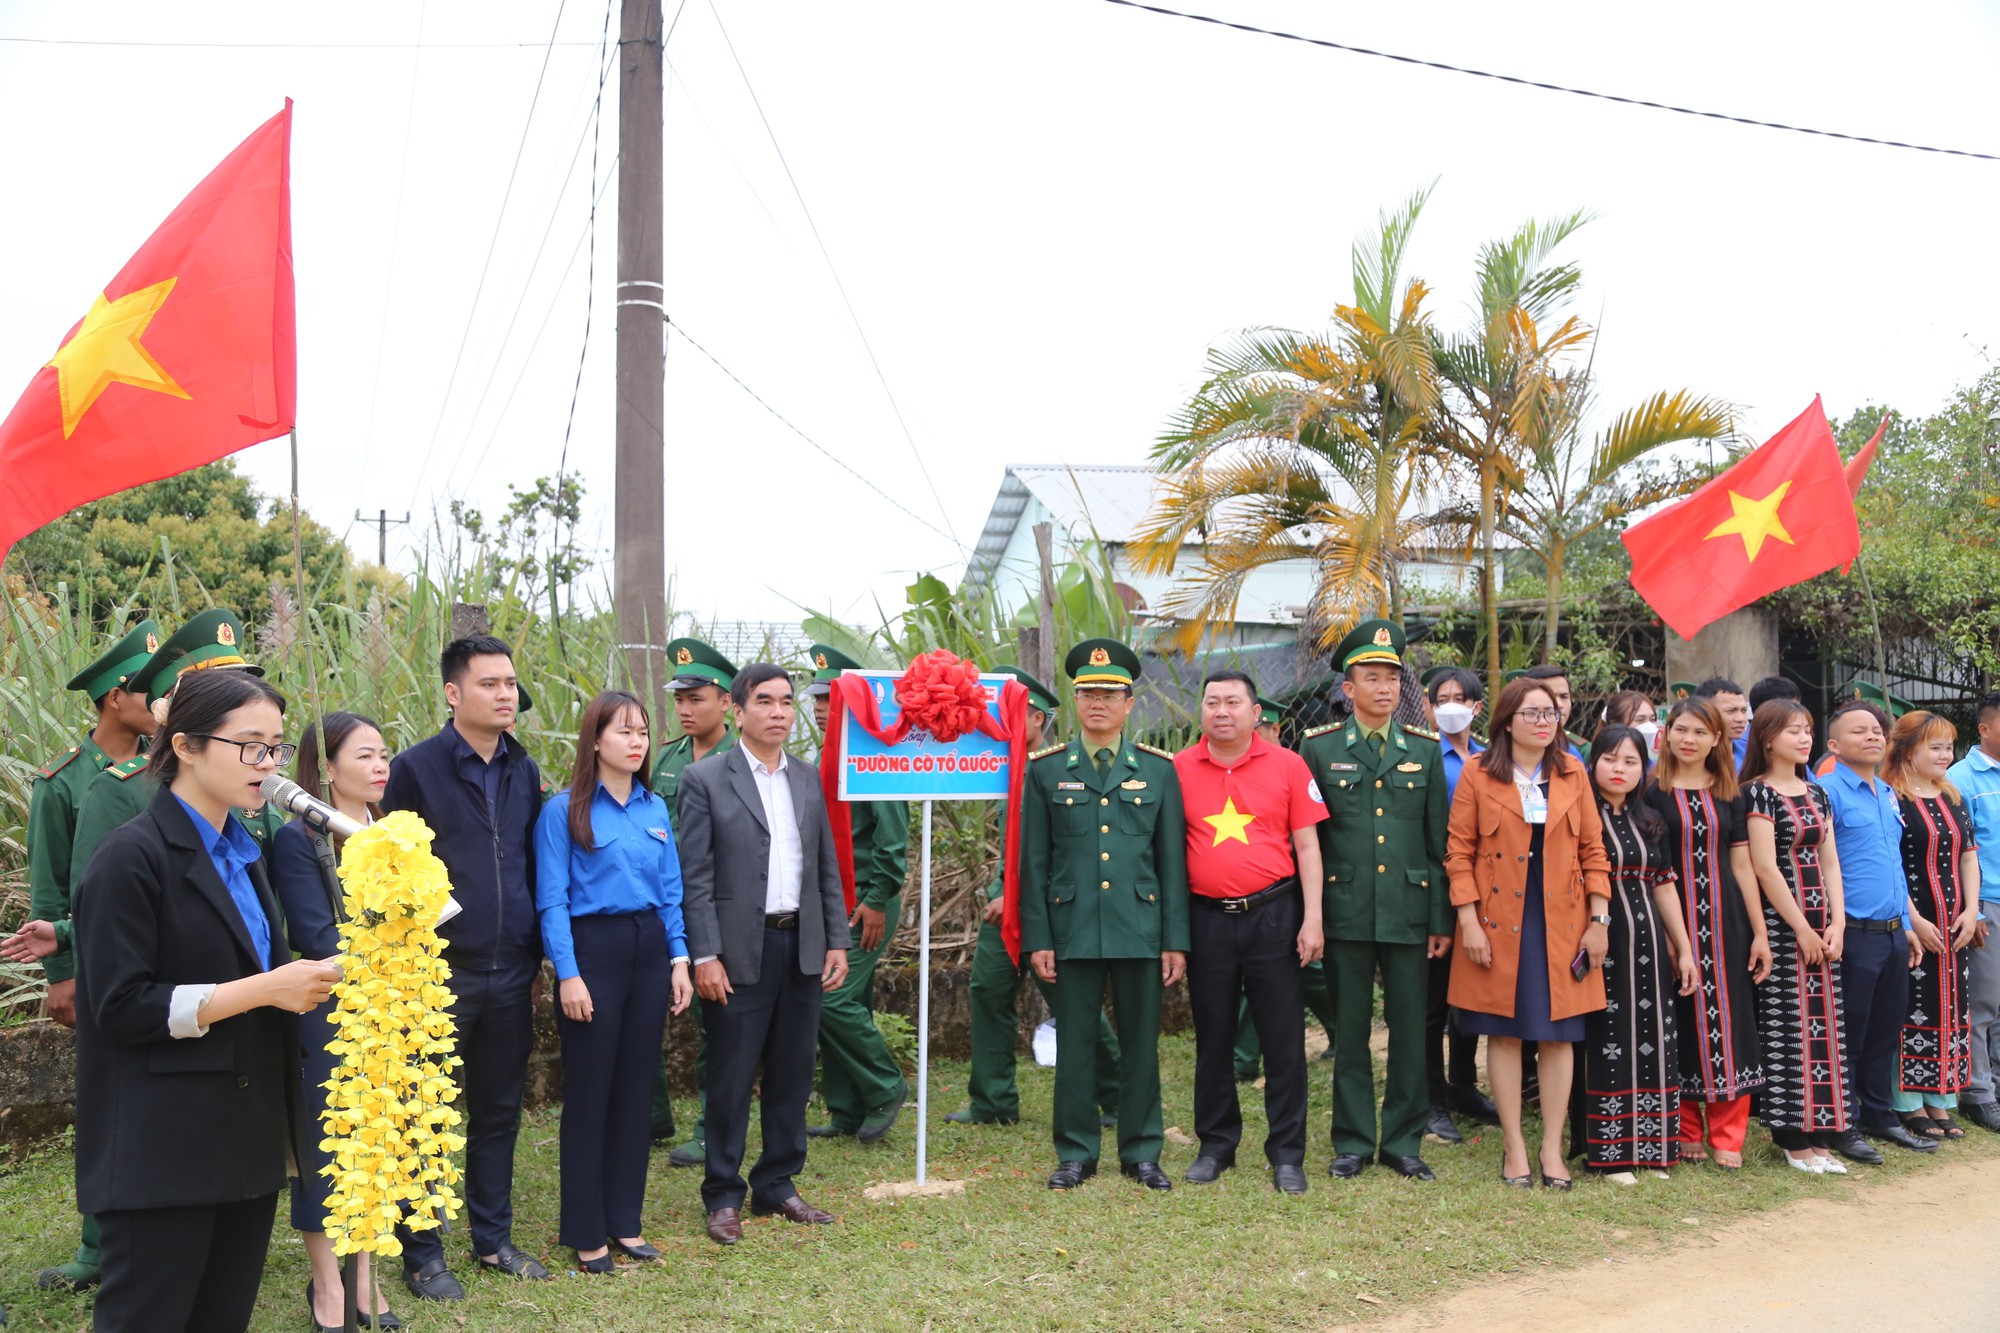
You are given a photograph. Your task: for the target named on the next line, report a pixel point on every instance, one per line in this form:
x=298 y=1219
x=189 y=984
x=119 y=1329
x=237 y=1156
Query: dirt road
x=1822 y=1265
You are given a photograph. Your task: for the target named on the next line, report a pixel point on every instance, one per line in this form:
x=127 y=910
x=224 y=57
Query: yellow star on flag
x=1755 y=520
x=1230 y=824
x=106 y=350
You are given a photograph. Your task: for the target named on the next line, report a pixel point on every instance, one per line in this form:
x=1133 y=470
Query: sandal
x=1949 y=1128
x=1924 y=1127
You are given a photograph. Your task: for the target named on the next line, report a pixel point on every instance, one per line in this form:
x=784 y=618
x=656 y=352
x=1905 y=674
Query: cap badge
x=1100 y=657
x=152 y=642
x=819 y=661
x=683 y=657
x=225 y=634
x=1382 y=637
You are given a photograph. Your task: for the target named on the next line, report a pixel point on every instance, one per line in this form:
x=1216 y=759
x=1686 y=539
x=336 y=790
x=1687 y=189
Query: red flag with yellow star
x=1780 y=516
x=187 y=354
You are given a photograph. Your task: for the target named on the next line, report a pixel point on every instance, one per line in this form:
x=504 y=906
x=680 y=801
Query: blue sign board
x=920 y=767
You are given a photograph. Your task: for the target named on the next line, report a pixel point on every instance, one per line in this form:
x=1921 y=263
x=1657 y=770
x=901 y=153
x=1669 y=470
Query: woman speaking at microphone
x=187 y=1071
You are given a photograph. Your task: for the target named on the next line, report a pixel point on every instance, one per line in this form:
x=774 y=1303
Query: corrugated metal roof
x=1104 y=500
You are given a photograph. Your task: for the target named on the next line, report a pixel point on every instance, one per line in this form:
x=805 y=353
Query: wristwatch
x=1603 y=919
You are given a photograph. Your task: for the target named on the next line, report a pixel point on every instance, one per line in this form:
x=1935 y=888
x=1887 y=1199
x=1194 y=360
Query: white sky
x=1044 y=212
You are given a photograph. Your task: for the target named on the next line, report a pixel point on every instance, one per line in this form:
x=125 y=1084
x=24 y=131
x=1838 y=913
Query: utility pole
x=639 y=542
x=382 y=523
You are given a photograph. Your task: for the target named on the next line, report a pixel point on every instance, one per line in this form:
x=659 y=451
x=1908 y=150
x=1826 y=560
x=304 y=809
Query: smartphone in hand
x=1579 y=964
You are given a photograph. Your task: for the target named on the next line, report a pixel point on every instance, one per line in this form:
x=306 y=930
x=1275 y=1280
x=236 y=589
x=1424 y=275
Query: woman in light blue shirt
x=608 y=890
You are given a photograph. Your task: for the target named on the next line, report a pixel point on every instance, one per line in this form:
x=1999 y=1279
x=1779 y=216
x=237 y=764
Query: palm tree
x=1320 y=445
x=1501 y=379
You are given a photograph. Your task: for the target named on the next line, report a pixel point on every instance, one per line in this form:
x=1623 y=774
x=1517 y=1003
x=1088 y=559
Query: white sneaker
x=1830 y=1165
x=1621 y=1178
x=1811 y=1164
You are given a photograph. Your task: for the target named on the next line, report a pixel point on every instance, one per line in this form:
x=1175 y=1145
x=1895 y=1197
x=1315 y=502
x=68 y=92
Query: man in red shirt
x=1251 y=809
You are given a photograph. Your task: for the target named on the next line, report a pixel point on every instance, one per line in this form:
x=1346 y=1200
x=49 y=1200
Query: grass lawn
x=1008 y=1254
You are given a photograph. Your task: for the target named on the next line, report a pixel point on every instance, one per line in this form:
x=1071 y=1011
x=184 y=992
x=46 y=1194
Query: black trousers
x=183 y=1270
x=1462 y=1071
x=1875 y=990
x=608 y=1066
x=774 y=1022
x=1252 y=955
x=496 y=1032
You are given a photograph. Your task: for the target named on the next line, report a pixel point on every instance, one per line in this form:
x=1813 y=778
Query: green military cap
x=1509 y=677
x=1270 y=711
x=212 y=639
x=122 y=661
x=695 y=663
x=1895 y=704
x=1431 y=673
x=1370 y=641
x=828 y=662
x=523 y=701
x=1102 y=662
x=1039 y=695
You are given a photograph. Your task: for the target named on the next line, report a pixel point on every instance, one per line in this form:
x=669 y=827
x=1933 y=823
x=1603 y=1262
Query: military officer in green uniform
x=701 y=680
x=111 y=683
x=1104 y=902
x=860 y=1081
x=1270 y=713
x=1386 y=902
x=996 y=982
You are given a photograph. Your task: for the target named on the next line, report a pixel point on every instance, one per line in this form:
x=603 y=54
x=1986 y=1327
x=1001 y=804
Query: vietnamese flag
x=1780 y=516
x=187 y=354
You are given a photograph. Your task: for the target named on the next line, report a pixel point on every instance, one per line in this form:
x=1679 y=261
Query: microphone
x=289 y=796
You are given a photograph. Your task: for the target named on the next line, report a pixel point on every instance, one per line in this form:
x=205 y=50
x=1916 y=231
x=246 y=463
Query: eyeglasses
x=253 y=753
x=1538 y=714
x=1103 y=695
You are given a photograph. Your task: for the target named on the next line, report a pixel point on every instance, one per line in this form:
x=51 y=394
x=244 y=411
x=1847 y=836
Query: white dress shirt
x=785 y=878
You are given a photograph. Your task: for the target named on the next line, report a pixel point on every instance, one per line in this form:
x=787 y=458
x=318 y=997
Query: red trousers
x=1728 y=1122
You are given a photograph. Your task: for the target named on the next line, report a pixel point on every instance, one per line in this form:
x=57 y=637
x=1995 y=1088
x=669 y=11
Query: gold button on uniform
x=1381 y=870
x=1104 y=828
x=1105 y=884
x=1104 y=856
x=1104 y=800
x=1380 y=837
x=1378 y=812
x=1378 y=782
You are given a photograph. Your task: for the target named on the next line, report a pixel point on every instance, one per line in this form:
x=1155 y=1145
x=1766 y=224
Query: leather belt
x=1250 y=902
x=782 y=921
x=1893 y=926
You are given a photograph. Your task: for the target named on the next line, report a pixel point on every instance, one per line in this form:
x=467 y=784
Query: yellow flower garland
x=388 y=1114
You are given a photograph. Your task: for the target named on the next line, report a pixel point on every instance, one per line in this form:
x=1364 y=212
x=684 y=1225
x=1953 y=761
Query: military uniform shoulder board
x=1310 y=732
x=1153 y=749
x=62 y=763
x=1424 y=732
x=1053 y=749
x=130 y=768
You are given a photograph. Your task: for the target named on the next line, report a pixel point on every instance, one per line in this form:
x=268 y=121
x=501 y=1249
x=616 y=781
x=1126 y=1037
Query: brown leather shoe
x=795 y=1209
x=725 y=1226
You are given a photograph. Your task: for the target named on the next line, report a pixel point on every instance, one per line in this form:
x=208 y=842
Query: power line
x=294 y=46
x=395 y=234
x=839 y=286
x=590 y=268
x=1352 y=49
x=836 y=459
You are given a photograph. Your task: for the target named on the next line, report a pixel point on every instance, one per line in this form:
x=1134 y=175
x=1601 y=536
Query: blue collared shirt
x=635 y=868
x=1740 y=747
x=1977 y=777
x=1868 y=837
x=232 y=849
x=1453 y=765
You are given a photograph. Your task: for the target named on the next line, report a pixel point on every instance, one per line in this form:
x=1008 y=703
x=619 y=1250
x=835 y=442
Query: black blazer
x=164 y=1122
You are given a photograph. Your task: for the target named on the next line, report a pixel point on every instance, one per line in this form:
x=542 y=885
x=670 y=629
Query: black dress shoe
x=1411 y=1168
x=433 y=1282
x=1069 y=1175
x=602 y=1264
x=1148 y=1174
x=1850 y=1144
x=1986 y=1115
x=387 y=1321
x=1288 y=1179
x=1346 y=1166
x=1206 y=1169
x=1902 y=1138
x=520 y=1264
x=1439 y=1126
x=312 y=1314
x=643 y=1252
x=1474 y=1105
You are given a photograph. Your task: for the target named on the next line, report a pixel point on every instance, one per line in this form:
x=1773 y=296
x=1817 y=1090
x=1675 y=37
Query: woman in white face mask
x=1629 y=708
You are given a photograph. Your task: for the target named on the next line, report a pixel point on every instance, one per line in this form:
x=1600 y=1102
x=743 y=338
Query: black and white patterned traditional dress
x=1937 y=1043
x=1807 y=1085
x=1631 y=1061
x=1718 y=1023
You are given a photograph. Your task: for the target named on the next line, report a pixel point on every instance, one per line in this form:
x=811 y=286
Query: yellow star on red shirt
x=1230 y=824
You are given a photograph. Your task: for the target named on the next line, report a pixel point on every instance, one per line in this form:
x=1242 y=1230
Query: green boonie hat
x=695 y=663
x=1039 y=695
x=122 y=661
x=1896 y=704
x=1102 y=662
x=1682 y=689
x=1370 y=641
x=212 y=639
x=1272 y=710
x=828 y=662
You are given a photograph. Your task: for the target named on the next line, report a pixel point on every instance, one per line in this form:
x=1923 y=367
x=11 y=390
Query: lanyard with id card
x=1534 y=802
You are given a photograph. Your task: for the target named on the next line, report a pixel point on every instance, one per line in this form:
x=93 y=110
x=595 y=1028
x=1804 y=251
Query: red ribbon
x=851 y=694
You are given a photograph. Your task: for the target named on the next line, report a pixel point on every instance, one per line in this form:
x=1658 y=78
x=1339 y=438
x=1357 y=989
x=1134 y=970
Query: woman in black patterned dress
x=1942 y=863
x=1694 y=789
x=1808 y=1093
x=1629 y=1077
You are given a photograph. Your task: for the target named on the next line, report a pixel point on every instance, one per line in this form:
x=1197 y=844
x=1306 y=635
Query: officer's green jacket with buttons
x=52 y=805
x=1103 y=857
x=1383 y=842
x=667 y=770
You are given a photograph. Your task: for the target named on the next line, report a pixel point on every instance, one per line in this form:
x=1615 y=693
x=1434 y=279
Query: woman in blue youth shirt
x=608 y=889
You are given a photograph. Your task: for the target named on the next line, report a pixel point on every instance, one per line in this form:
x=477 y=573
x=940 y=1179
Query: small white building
x=1109 y=503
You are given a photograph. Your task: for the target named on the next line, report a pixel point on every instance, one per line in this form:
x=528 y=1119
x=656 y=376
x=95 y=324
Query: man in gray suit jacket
x=767 y=928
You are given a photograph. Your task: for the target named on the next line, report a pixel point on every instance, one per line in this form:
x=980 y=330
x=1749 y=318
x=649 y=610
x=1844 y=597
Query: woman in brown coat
x=1532 y=886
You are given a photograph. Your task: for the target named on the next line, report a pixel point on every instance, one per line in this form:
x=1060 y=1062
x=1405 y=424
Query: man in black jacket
x=480 y=793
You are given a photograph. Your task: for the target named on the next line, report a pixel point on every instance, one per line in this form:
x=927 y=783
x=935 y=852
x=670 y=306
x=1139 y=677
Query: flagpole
x=1875 y=624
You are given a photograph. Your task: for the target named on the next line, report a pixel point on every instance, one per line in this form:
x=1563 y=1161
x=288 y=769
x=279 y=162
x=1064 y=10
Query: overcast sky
x=1043 y=212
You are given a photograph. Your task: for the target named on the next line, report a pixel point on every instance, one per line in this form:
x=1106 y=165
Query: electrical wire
x=293 y=46
x=1352 y=49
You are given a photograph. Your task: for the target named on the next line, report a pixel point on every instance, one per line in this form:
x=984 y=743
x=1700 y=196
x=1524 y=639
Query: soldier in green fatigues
x=996 y=982
x=1104 y=901
x=1386 y=902
x=123 y=723
x=701 y=681
x=860 y=1081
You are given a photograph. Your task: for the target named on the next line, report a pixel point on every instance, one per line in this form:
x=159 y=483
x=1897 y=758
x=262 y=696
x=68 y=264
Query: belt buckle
x=1235 y=906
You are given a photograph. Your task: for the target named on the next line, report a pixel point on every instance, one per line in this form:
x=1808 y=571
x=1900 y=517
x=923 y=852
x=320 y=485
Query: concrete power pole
x=639 y=544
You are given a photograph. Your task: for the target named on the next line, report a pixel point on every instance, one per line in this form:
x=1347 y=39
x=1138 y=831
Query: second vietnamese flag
x=1778 y=517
